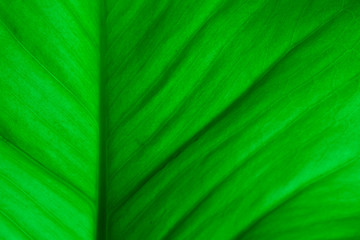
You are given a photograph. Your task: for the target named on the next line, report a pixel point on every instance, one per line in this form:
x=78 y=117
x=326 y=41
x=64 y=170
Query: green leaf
x=49 y=123
x=179 y=119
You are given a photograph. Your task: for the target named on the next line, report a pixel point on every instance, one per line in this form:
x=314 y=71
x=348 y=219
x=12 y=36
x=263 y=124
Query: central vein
x=102 y=222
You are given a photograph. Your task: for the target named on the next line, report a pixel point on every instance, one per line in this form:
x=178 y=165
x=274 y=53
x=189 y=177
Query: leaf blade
x=49 y=119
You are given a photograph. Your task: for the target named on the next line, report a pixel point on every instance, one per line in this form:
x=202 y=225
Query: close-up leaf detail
x=180 y=119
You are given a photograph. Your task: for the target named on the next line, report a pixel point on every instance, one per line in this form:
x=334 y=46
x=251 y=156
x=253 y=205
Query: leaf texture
x=233 y=120
x=49 y=123
x=175 y=119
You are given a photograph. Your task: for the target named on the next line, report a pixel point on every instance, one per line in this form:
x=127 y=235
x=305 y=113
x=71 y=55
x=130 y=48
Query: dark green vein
x=233 y=138
x=297 y=120
x=101 y=233
x=172 y=66
x=170 y=69
x=222 y=115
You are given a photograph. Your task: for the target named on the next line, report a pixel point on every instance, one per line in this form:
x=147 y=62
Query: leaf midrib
x=101 y=224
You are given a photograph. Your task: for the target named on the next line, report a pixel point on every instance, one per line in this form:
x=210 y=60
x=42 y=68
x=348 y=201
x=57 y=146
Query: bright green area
x=49 y=124
x=180 y=119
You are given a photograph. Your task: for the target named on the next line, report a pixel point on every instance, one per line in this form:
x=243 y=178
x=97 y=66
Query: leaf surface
x=179 y=119
x=234 y=120
x=49 y=123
